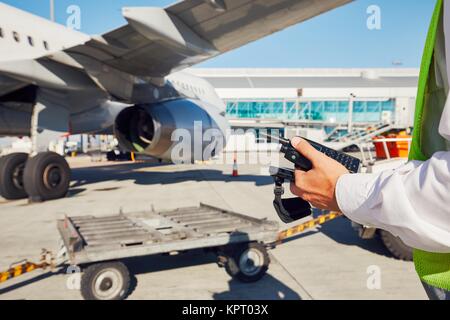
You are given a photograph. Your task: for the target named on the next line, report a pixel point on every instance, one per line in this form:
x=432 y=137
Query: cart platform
x=89 y=239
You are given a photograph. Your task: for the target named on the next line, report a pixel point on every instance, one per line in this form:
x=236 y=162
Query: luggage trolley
x=100 y=244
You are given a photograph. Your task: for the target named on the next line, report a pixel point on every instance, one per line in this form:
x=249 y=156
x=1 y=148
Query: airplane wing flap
x=100 y=49
x=150 y=60
x=140 y=58
x=93 y=51
x=125 y=37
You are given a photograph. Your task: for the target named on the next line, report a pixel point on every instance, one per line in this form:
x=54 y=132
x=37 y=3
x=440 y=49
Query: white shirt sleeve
x=412 y=202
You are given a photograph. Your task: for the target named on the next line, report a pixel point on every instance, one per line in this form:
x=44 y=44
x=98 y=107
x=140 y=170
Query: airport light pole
x=350 y=112
x=52 y=10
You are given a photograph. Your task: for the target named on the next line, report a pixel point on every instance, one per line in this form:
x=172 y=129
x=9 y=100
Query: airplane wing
x=157 y=41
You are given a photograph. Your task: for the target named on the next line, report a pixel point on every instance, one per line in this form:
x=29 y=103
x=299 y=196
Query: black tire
x=240 y=266
x=111 y=156
x=396 y=246
x=106 y=281
x=12 y=169
x=47 y=177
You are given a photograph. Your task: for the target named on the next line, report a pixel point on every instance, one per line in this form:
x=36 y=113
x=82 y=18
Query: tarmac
x=329 y=262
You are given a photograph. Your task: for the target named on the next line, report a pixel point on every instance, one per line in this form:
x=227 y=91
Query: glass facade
x=326 y=111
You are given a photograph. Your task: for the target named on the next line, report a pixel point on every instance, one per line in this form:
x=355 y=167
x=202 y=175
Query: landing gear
x=46 y=177
x=43 y=177
x=12 y=168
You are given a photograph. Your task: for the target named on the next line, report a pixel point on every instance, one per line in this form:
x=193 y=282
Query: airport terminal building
x=316 y=103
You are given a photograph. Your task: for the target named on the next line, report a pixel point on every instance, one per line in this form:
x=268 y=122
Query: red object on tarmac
x=235 y=167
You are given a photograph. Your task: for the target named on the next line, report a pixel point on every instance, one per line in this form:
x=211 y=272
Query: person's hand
x=317 y=186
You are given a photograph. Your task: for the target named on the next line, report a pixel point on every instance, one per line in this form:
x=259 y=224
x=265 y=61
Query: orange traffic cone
x=235 y=167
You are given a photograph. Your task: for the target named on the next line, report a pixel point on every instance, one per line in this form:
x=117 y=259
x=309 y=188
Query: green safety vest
x=433 y=268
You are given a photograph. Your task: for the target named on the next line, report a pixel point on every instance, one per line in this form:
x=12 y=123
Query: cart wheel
x=248 y=263
x=106 y=281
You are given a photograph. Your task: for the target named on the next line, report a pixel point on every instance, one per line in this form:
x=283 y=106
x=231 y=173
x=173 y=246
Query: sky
x=337 y=39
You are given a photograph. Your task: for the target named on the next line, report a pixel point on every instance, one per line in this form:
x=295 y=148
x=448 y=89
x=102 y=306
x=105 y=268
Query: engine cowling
x=183 y=128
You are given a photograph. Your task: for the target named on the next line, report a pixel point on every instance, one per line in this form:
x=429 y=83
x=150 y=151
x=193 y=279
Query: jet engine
x=180 y=130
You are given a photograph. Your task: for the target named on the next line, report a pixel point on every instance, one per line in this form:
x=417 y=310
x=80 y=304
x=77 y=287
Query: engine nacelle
x=179 y=130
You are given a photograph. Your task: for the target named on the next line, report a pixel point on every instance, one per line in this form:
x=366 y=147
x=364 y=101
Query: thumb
x=307 y=150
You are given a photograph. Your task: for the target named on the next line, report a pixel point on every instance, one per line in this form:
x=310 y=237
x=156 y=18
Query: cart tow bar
x=23 y=267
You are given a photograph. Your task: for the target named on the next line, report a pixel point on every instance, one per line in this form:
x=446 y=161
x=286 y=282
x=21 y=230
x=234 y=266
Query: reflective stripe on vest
x=433 y=268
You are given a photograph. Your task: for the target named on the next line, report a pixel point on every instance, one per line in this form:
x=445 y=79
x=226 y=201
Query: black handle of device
x=289 y=210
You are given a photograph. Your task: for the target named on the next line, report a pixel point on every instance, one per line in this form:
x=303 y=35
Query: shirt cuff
x=352 y=190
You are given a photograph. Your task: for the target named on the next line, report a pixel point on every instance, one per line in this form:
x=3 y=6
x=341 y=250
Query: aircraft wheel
x=46 y=177
x=12 y=169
